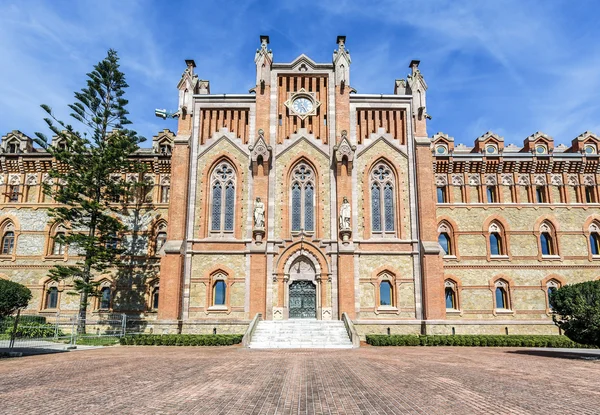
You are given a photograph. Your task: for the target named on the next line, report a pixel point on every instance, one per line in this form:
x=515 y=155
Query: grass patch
x=97 y=340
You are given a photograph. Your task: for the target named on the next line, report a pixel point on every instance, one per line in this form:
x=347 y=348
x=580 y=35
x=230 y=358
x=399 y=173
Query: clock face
x=302 y=105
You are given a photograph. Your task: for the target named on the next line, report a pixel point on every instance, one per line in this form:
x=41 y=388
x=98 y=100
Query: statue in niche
x=345 y=215
x=259 y=214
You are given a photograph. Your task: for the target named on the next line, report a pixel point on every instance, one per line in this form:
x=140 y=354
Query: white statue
x=345 y=215
x=259 y=214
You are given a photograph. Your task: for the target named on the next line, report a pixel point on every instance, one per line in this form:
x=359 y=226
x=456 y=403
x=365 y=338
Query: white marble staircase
x=300 y=334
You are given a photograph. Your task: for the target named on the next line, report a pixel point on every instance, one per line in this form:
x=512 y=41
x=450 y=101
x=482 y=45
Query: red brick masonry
x=232 y=380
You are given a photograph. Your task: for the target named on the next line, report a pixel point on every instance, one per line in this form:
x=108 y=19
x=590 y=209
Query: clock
x=302 y=105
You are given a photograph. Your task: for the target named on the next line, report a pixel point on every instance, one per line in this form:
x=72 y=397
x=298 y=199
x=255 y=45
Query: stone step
x=301 y=334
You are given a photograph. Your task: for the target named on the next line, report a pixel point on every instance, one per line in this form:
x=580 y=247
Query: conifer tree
x=82 y=178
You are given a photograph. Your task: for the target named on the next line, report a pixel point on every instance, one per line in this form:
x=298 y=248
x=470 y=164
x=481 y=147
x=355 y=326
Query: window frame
x=223 y=175
x=382 y=179
x=504 y=288
x=304 y=176
x=450 y=284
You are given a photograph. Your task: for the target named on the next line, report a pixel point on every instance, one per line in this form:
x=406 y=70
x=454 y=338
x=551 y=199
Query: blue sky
x=512 y=67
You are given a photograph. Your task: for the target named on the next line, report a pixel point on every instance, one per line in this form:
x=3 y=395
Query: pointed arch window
x=105 y=297
x=58 y=241
x=450 y=295
x=8 y=239
x=446 y=239
x=165 y=190
x=594 y=238
x=385 y=293
x=223 y=183
x=382 y=199
x=501 y=295
x=548 y=245
x=219 y=292
x=303 y=198
x=551 y=287
x=497 y=240
x=51 y=299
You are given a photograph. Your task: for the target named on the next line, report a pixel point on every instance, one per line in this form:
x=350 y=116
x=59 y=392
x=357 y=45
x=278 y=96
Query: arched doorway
x=302 y=290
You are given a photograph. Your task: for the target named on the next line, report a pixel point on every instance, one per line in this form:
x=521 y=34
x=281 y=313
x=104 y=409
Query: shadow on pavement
x=580 y=354
x=25 y=351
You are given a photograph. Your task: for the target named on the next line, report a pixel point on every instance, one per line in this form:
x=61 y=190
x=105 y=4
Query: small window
x=385 y=293
x=501 y=300
x=450 y=295
x=595 y=243
x=540 y=194
x=165 y=150
x=551 y=290
x=441 y=150
x=112 y=243
x=59 y=247
x=8 y=243
x=219 y=291
x=590 y=195
x=13 y=147
x=491 y=149
x=546 y=243
x=541 y=149
x=445 y=243
x=496 y=244
x=164 y=193
x=590 y=149
x=154 y=298
x=105 y=298
x=52 y=297
x=491 y=194
x=161 y=238
x=441 y=194
x=13 y=193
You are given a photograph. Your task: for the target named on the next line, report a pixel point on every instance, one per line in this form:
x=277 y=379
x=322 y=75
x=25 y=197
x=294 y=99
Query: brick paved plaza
x=232 y=380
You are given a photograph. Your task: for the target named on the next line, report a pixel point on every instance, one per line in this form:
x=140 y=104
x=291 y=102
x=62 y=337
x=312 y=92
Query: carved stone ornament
x=523 y=180
x=2 y=179
x=302 y=103
x=344 y=150
x=540 y=180
x=441 y=180
x=594 y=228
x=544 y=227
x=457 y=180
x=494 y=227
x=490 y=180
x=260 y=152
x=572 y=181
x=506 y=180
x=31 y=180
x=14 y=179
x=588 y=180
x=259 y=214
x=474 y=180
x=556 y=179
x=345 y=214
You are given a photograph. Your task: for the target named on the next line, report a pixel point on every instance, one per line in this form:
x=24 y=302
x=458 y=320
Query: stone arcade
x=306 y=199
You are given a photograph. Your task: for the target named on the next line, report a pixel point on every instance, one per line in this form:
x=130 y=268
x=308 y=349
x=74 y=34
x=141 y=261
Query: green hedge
x=34 y=330
x=182 y=339
x=473 y=340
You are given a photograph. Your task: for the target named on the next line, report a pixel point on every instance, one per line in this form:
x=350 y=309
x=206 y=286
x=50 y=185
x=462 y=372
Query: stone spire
x=264 y=61
x=341 y=61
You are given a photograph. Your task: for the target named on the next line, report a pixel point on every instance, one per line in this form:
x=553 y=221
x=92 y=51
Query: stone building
x=306 y=199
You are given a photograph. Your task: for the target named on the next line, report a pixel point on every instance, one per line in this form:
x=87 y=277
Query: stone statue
x=345 y=215
x=259 y=214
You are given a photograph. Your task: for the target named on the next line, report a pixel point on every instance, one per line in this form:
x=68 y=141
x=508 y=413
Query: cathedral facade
x=306 y=199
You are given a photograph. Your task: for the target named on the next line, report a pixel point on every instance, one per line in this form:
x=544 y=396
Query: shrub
x=577 y=311
x=12 y=297
x=182 y=339
x=472 y=340
x=34 y=330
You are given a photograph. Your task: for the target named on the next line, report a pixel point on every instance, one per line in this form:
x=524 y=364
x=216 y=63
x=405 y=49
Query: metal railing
x=59 y=332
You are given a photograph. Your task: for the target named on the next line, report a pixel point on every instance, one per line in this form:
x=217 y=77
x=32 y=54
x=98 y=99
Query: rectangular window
x=491 y=194
x=540 y=194
x=590 y=196
x=13 y=193
x=441 y=195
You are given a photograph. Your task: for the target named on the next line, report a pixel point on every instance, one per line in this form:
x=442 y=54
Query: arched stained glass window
x=223 y=198
x=382 y=199
x=303 y=198
x=376 y=207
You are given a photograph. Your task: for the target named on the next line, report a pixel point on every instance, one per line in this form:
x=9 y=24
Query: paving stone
x=233 y=380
